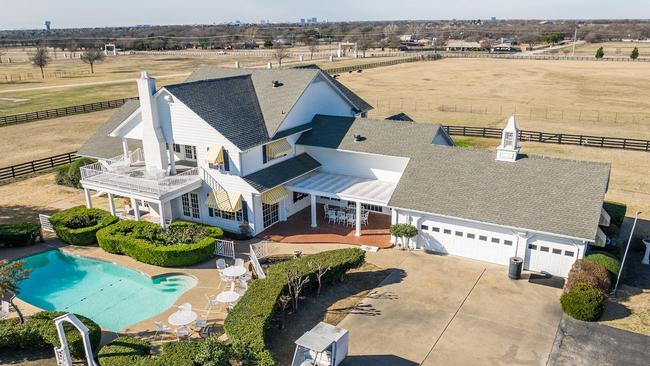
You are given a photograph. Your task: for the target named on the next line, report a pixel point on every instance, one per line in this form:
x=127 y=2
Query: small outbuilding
x=324 y=345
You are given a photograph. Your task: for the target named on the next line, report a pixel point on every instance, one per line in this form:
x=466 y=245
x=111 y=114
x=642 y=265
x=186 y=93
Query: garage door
x=547 y=257
x=466 y=243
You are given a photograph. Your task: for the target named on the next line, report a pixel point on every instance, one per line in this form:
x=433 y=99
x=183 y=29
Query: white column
x=89 y=203
x=313 y=210
x=161 y=212
x=125 y=148
x=172 y=160
x=357 y=230
x=111 y=203
x=282 y=208
x=393 y=220
x=136 y=209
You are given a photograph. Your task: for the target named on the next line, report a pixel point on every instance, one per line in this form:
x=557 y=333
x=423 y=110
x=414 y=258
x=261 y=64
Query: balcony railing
x=132 y=176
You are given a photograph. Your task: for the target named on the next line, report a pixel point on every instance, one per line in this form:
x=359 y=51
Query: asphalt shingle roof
x=281 y=172
x=102 y=146
x=229 y=105
x=535 y=193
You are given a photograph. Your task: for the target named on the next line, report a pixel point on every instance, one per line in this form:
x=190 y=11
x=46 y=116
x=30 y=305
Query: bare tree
x=40 y=58
x=390 y=30
x=251 y=32
x=415 y=29
x=11 y=274
x=296 y=284
x=92 y=55
x=2 y=53
x=321 y=270
x=312 y=43
x=280 y=54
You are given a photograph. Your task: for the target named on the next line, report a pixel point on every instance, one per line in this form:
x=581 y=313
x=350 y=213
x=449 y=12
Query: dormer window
x=217 y=158
x=275 y=150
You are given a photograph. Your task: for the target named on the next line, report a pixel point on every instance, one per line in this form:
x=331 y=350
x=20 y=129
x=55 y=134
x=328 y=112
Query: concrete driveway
x=445 y=310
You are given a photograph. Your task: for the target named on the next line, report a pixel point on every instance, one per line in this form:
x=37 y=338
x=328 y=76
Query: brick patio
x=297 y=229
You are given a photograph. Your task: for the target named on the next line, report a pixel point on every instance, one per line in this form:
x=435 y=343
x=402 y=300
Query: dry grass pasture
x=613 y=48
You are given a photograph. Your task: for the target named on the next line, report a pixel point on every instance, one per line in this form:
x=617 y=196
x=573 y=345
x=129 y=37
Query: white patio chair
x=364 y=218
x=239 y=262
x=212 y=302
x=186 y=306
x=243 y=286
x=351 y=220
x=161 y=330
x=341 y=217
x=248 y=276
x=4 y=309
x=221 y=265
x=182 y=332
x=331 y=216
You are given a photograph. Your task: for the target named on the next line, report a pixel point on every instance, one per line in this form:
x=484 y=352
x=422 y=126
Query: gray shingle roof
x=229 y=105
x=101 y=145
x=282 y=172
x=548 y=195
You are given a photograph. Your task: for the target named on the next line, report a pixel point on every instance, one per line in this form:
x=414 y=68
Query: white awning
x=345 y=187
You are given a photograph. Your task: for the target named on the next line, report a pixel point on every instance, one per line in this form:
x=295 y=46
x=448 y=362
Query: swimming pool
x=112 y=295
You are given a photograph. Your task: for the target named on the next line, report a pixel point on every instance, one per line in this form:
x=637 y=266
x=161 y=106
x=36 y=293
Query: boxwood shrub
x=125 y=351
x=19 y=235
x=248 y=320
x=583 y=302
x=39 y=332
x=606 y=260
x=590 y=273
x=69 y=174
x=146 y=242
x=78 y=225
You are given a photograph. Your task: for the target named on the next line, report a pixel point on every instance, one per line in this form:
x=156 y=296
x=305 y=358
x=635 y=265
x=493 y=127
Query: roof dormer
x=509 y=148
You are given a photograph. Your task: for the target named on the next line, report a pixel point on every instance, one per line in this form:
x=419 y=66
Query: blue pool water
x=111 y=295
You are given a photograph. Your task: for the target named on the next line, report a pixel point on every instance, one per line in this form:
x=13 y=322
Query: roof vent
x=276 y=83
x=359 y=138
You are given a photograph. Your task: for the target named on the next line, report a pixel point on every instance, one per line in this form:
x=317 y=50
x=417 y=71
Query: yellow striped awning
x=215 y=155
x=224 y=201
x=278 y=148
x=275 y=195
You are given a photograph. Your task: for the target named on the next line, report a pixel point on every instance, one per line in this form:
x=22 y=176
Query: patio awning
x=215 y=155
x=275 y=195
x=278 y=148
x=345 y=187
x=224 y=201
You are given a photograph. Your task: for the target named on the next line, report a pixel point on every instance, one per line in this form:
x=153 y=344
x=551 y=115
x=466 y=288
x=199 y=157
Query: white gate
x=45 y=223
x=225 y=248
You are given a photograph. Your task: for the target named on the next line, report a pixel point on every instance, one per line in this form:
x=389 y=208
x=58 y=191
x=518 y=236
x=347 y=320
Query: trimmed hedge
x=39 y=332
x=616 y=211
x=583 y=302
x=590 y=273
x=606 y=260
x=124 y=351
x=247 y=322
x=79 y=225
x=20 y=235
x=137 y=239
x=69 y=174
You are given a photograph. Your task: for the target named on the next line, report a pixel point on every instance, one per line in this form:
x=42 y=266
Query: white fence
x=258 y=251
x=225 y=248
x=45 y=223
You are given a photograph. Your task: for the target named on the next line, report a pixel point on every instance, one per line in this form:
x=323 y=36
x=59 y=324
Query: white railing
x=45 y=223
x=225 y=248
x=257 y=267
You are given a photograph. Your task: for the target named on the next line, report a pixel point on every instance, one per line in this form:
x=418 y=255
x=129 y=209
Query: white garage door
x=547 y=257
x=468 y=243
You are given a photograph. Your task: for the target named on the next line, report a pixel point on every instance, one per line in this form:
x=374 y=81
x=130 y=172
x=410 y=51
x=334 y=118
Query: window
x=190 y=152
x=459 y=233
x=532 y=247
x=435 y=229
x=226 y=215
x=568 y=253
x=297 y=196
x=177 y=148
x=269 y=214
x=496 y=240
x=482 y=238
x=470 y=236
x=508 y=139
x=447 y=231
x=424 y=227
x=507 y=242
x=373 y=208
x=557 y=251
x=543 y=249
x=330 y=199
x=190 y=203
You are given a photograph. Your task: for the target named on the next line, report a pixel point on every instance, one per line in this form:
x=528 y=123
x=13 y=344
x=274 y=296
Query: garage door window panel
x=557 y=251
x=482 y=238
x=496 y=240
x=435 y=229
x=470 y=236
x=459 y=233
x=568 y=253
x=447 y=231
x=543 y=249
x=507 y=242
x=532 y=247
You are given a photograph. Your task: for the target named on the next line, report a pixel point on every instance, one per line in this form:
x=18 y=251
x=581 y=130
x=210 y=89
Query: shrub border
x=84 y=235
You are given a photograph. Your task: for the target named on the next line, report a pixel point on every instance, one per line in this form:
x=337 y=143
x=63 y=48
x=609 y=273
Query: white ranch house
x=233 y=147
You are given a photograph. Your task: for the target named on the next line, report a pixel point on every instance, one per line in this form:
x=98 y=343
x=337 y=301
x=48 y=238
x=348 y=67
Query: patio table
x=181 y=318
x=228 y=297
x=234 y=271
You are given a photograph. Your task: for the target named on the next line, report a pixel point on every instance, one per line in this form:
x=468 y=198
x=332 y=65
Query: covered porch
x=297 y=229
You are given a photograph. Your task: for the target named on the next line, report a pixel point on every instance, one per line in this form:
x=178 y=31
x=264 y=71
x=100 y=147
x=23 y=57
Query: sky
x=31 y=14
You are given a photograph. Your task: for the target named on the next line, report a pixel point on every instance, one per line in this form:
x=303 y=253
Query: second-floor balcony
x=130 y=175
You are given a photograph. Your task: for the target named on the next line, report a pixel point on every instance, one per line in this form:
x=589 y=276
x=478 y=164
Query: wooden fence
x=36 y=166
x=62 y=112
x=515 y=56
x=371 y=65
x=555 y=138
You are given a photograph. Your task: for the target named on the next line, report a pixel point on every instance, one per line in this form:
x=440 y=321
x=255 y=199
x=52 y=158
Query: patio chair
x=185 y=307
x=221 y=265
x=341 y=217
x=161 y=330
x=4 y=309
x=351 y=220
x=212 y=302
x=364 y=218
x=182 y=332
x=243 y=286
x=248 y=276
x=239 y=262
x=331 y=216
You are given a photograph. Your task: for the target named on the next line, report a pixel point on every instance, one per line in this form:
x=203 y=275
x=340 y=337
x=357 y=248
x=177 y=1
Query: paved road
x=581 y=343
x=444 y=310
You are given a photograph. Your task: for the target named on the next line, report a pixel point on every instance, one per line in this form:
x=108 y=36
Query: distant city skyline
x=32 y=14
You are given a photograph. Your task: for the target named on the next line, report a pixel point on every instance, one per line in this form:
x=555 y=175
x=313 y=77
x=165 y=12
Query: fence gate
x=45 y=223
x=225 y=248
